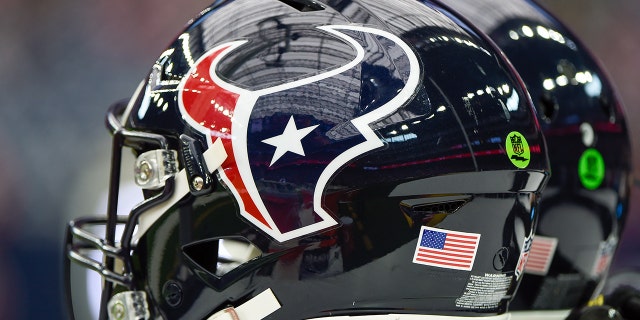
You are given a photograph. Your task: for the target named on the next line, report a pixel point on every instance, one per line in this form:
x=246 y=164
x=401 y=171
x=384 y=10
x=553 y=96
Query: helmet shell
x=352 y=131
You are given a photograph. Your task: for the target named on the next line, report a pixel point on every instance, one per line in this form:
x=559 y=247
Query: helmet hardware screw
x=197 y=183
x=144 y=171
x=118 y=310
x=172 y=293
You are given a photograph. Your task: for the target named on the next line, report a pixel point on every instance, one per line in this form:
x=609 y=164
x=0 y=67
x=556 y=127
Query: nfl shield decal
x=518 y=150
x=262 y=145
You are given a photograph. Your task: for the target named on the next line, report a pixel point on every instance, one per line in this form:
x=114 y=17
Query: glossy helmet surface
x=309 y=159
x=584 y=206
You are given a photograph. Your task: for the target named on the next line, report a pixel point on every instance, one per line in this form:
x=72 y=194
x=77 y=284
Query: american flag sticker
x=604 y=256
x=524 y=256
x=446 y=248
x=541 y=255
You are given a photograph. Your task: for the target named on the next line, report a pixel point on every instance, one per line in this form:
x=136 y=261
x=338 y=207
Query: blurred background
x=62 y=63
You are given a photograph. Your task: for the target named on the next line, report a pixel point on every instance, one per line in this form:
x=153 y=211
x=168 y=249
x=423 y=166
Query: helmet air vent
x=220 y=261
x=431 y=210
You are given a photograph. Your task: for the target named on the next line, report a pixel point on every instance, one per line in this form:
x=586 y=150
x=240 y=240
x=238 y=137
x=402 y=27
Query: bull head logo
x=284 y=143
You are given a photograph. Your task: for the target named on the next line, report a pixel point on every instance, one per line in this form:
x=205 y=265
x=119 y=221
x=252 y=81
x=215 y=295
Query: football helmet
x=308 y=159
x=584 y=206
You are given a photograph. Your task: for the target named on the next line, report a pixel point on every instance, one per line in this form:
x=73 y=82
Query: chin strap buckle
x=128 y=305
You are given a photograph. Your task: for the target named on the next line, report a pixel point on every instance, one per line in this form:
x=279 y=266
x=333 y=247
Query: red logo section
x=211 y=106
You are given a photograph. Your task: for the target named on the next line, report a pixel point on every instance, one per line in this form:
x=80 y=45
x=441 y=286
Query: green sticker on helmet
x=518 y=149
x=591 y=169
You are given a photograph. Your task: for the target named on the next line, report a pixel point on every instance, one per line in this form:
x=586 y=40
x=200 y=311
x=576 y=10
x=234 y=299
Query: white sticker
x=485 y=292
x=256 y=308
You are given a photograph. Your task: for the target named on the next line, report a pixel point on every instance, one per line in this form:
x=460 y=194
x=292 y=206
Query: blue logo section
x=293 y=135
x=285 y=143
x=433 y=239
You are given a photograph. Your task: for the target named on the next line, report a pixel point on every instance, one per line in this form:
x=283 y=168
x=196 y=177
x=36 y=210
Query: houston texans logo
x=284 y=143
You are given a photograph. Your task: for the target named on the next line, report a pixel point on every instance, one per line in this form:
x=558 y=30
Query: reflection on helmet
x=322 y=159
x=584 y=206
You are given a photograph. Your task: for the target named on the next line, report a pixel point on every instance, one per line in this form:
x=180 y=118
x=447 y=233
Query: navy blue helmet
x=305 y=159
x=584 y=206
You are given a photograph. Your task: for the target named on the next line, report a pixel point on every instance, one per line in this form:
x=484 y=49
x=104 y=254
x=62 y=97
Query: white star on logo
x=290 y=140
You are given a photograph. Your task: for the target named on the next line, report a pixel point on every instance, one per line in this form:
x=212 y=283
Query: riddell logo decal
x=280 y=161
